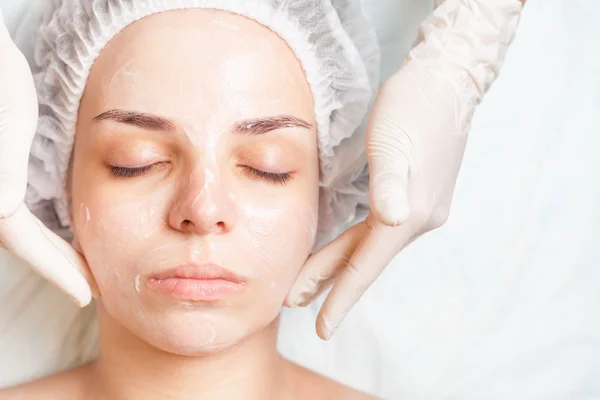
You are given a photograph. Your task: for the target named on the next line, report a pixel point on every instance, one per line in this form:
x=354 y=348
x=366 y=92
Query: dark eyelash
x=280 y=179
x=123 y=172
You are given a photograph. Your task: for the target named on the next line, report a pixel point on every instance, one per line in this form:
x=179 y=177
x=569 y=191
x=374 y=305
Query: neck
x=129 y=368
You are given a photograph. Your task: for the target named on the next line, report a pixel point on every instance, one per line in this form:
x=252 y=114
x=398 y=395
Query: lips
x=205 y=272
x=207 y=282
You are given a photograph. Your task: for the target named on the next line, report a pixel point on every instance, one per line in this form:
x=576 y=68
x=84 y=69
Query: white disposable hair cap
x=332 y=39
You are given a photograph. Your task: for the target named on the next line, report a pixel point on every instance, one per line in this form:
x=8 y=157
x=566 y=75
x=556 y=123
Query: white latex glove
x=415 y=143
x=21 y=233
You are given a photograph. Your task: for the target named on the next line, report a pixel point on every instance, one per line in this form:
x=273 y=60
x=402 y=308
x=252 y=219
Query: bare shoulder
x=311 y=385
x=67 y=385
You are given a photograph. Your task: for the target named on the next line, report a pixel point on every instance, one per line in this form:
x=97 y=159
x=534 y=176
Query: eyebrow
x=261 y=126
x=142 y=120
x=256 y=126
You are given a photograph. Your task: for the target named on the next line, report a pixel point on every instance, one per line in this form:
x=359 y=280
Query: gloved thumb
x=388 y=189
x=390 y=151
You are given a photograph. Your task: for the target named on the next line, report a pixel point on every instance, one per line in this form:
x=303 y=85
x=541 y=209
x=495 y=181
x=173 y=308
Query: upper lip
x=206 y=271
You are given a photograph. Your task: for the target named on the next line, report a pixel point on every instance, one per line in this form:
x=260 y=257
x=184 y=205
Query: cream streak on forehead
x=186 y=62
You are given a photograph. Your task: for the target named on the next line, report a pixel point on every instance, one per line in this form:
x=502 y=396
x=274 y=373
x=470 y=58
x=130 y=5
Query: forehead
x=195 y=65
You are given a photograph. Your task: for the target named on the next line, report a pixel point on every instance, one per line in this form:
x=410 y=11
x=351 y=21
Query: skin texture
x=202 y=201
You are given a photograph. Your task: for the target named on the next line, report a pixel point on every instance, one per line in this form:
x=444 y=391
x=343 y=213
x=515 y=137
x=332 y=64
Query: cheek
x=113 y=232
x=279 y=239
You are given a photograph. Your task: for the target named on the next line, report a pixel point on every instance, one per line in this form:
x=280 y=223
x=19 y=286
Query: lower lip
x=195 y=289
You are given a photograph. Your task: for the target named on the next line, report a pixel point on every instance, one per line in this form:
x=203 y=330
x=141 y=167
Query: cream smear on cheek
x=116 y=232
x=272 y=235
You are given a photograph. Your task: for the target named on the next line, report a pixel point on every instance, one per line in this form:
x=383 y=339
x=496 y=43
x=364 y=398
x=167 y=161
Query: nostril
x=221 y=226
x=186 y=224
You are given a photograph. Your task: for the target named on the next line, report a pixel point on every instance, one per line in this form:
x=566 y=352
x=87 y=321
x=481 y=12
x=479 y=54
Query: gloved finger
x=322 y=267
x=390 y=151
x=388 y=189
x=379 y=246
x=331 y=273
x=17 y=123
x=31 y=241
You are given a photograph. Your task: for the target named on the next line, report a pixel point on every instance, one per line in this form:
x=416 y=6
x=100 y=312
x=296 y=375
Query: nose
x=203 y=205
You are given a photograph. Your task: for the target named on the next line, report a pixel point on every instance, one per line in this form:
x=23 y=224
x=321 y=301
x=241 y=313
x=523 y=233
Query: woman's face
x=196 y=146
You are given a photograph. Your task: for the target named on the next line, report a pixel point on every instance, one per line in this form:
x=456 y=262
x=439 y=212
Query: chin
x=196 y=332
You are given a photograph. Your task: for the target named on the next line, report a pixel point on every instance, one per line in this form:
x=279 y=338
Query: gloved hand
x=21 y=233
x=416 y=138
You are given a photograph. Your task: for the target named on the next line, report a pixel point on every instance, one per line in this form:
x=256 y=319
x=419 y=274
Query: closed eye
x=271 y=177
x=125 y=172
